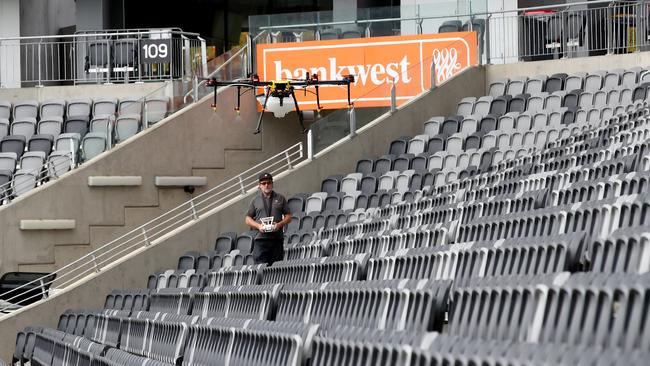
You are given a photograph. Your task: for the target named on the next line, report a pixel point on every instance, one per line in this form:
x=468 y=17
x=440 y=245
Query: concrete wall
x=45 y=18
x=194 y=142
x=9 y=28
x=199 y=235
x=86 y=91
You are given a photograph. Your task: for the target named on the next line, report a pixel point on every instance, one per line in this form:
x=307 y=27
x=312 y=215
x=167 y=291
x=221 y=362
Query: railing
x=570 y=31
x=238 y=65
x=101 y=57
x=522 y=34
x=145 y=235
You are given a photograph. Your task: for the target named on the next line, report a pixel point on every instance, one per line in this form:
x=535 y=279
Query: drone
x=279 y=95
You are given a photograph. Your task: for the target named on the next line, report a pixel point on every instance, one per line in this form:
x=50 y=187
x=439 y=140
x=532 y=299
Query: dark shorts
x=268 y=250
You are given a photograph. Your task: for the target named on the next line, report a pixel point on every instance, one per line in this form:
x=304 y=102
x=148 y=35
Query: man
x=268 y=213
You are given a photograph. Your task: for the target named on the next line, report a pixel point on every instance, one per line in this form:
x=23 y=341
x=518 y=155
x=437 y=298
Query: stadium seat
x=52 y=126
x=52 y=108
x=93 y=144
x=13 y=143
x=126 y=126
x=25 y=109
x=155 y=109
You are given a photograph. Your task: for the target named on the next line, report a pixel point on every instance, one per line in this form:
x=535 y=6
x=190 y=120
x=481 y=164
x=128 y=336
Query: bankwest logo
x=377 y=63
x=376 y=74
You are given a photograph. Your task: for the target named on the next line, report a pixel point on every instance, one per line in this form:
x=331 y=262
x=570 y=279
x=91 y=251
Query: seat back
x=126 y=126
x=50 y=126
x=93 y=144
x=155 y=109
x=13 y=143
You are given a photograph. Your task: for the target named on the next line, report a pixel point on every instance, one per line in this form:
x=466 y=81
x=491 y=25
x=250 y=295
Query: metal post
x=608 y=33
x=486 y=37
x=249 y=52
x=145 y=120
x=40 y=43
x=564 y=48
x=109 y=133
x=243 y=62
x=434 y=78
x=393 y=97
x=171 y=62
x=187 y=57
x=146 y=240
x=109 y=66
x=289 y=166
x=195 y=88
x=95 y=263
x=195 y=216
x=140 y=64
x=241 y=185
x=310 y=145
x=638 y=21
x=353 y=122
x=72 y=154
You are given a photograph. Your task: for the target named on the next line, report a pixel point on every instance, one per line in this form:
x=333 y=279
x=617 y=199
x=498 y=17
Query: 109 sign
x=154 y=51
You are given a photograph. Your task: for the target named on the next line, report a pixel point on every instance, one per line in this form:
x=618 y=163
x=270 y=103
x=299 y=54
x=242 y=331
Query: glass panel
x=297 y=27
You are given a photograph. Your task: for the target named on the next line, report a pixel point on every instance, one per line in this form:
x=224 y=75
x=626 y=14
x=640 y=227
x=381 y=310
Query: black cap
x=265 y=176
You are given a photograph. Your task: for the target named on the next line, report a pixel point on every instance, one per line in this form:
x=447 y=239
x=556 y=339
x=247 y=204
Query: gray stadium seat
x=93 y=144
x=25 y=109
x=23 y=126
x=126 y=126
x=79 y=108
x=50 y=126
x=58 y=163
x=155 y=109
x=23 y=181
x=13 y=143
x=52 y=108
x=104 y=106
x=5 y=110
x=130 y=105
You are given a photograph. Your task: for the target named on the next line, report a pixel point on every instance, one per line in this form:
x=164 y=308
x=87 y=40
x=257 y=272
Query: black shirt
x=258 y=209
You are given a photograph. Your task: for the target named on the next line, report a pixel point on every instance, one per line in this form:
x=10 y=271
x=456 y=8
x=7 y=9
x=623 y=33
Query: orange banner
x=375 y=62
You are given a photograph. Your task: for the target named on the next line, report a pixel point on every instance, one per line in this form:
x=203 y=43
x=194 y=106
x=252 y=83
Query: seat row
x=205 y=345
x=498 y=106
x=154 y=109
x=561 y=81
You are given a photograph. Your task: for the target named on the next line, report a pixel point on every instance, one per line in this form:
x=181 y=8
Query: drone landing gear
x=303 y=130
x=301 y=119
x=259 y=120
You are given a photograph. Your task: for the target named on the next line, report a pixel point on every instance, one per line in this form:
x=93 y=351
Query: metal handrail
x=143 y=236
x=472 y=14
x=220 y=68
x=93 y=35
x=112 y=31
